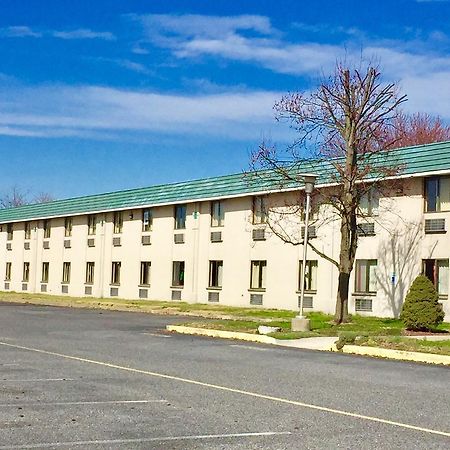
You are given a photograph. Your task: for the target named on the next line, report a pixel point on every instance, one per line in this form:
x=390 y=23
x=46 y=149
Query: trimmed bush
x=421 y=310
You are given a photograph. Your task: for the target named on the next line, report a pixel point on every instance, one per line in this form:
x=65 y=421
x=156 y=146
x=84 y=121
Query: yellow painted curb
x=430 y=358
x=222 y=334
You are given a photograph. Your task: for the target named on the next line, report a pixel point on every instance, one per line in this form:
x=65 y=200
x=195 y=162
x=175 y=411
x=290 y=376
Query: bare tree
x=18 y=197
x=43 y=197
x=417 y=129
x=346 y=120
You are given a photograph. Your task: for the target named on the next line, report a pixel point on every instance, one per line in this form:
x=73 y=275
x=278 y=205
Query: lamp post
x=301 y=323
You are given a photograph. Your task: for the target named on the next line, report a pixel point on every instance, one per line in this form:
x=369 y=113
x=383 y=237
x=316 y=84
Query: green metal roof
x=421 y=159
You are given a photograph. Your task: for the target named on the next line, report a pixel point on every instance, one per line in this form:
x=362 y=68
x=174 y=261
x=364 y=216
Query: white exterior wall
x=399 y=246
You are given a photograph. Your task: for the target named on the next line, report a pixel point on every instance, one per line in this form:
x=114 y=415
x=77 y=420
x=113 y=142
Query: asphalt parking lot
x=73 y=378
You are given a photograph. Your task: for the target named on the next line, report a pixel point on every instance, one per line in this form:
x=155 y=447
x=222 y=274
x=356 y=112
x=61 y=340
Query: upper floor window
x=27 y=230
x=92 y=224
x=259 y=210
x=258 y=275
x=215 y=274
x=310 y=276
x=369 y=202
x=217 y=214
x=8 y=271
x=437 y=194
x=180 y=217
x=68 y=227
x=47 y=229
x=90 y=271
x=45 y=272
x=365 y=278
x=26 y=272
x=437 y=271
x=66 y=272
x=147 y=219
x=118 y=222
x=9 y=231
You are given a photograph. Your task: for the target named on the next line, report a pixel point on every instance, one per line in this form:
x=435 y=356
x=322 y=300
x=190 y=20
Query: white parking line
x=157 y=335
x=142 y=440
x=105 y=402
x=35 y=380
x=235 y=391
x=249 y=347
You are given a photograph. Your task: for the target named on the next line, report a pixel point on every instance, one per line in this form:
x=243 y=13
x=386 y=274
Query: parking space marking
x=100 y=402
x=234 y=390
x=36 y=380
x=157 y=335
x=152 y=439
x=249 y=347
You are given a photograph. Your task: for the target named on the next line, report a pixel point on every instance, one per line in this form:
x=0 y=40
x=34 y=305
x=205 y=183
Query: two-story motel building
x=206 y=241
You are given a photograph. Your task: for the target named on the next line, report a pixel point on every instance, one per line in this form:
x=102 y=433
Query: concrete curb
x=222 y=334
x=429 y=358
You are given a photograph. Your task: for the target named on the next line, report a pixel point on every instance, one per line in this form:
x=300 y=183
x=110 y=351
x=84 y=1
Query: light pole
x=301 y=323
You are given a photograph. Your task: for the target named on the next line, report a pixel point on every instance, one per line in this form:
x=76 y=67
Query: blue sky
x=106 y=95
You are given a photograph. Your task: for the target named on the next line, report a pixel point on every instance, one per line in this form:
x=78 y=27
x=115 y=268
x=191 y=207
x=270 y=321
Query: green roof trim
x=418 y=159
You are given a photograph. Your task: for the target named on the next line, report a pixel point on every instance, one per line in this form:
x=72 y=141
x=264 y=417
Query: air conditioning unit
x=311 y=232
x=24 y=286
x=91 y=242
x=67 y=243
x=216 y=236
x=116 y=242
x=65 y=289
x=143 y=293
x=366 y=229
x=259 y=234
x=88 y=290
x=213 y=297
x=26 y=245
x=8 y=246
x=307 y=301
x=43 y=288
x=146 y=240
x=46 y=244
x=176 y=295
x=256 y=299
x=363 y=304
x=6 y=286
x=178 y=238
x=114 y=292
x=434 y=226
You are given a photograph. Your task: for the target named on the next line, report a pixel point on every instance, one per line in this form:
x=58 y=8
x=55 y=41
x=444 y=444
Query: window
x=27 y=230
x=92 y=224
x=115 y=272
x=68 y=227
x=310 y=276
x=259 y=210
x=147 y=219
x=369 y=202
x=178 y=274
x=365 y=278
x=437 y=271
x=258 y=275
x=26 y=272
x=118 y=222
x=437 y=194
x=215 y=274
x=145 y=273
x=45 y=272
x=66 y=272
x=180 y=217
x=217 y=214
x=8 y=271
x=90 y=270
x=9 y=231
x=47 y=229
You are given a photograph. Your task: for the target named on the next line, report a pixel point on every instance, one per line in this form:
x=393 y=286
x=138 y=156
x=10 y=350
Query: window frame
x=310 y=275
x=438 y=200
x=45 y=270
x=116 y=267
x=68 y=223
x=179 y=269
x=368 y=264
x=435 y=279
x=67 y=267
x=47 y=227
x=180 y=219
x=145 y=273
x=259 y=210
x=27 y=231
x=8 y=271
x=92 y=224
x=9 y=231
x=147 y=223
x=217 y=220
x=118 y=222
x=26 y=272
x=260 y=266
x=372 y=198
x=215 y=278
x=90 y=272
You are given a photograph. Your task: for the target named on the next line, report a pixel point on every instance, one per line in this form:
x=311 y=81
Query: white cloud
x=84 y=33
x=18 y=31
x=63 y=110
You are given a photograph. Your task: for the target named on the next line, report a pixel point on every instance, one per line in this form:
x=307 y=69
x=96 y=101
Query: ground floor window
x=437 y=271
x=365 y=277
x=115 y=272
x=45 y=272
x=258 y=275
x=26 y=271
x=178 y=274
x=145 y=273
x=8 y=271
x=310 y=276
x=215 y=274
x=66 y=272
x=90 y=271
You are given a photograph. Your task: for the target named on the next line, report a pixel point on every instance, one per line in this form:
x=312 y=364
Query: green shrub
x=421 y=310
x=345 y=339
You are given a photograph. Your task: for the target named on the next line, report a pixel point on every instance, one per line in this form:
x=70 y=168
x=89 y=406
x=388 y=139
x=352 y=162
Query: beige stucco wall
x=399 y=247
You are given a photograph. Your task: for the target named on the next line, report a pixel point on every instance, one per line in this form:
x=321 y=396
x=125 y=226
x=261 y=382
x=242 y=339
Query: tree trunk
x=341 y=314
